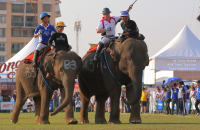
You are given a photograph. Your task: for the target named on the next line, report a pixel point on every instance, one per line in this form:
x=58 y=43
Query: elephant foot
x=44 y=123
x=135 y=120
x=71 y=121
x=114 y=122
x=37 y=120
x=85 y=122
x=13 y=120
x=101 y=121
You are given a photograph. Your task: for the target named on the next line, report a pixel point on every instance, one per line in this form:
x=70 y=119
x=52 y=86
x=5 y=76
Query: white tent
x=181 y=57
x=8 y=69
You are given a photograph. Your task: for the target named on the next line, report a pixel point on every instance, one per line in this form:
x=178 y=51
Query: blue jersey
x=188 y=94
x=46 y=32
x=168 y=93
x=175 y=93
x=198 y=93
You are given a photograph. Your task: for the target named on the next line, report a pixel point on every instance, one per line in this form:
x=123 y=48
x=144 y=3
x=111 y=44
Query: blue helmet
x=43 y=15
x=124 y=13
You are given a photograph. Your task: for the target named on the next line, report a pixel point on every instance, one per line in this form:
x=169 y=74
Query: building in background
x=17 y=26
x=17 y=23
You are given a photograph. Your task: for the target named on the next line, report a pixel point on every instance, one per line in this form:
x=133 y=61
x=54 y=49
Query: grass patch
x=150 y=122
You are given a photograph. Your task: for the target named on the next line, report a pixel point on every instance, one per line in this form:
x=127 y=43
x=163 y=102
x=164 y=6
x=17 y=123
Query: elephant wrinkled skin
x=63 y=70
x=127 y=64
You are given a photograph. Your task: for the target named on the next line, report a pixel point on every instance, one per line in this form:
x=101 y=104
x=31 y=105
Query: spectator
x=55 y=99
x=193 y=98
x=158 y=94
x=78 y=104
x=1 y=98
x=109 y=103
x=29 y=107
x=6 y=97
x=144 y=100
x=187 y=100
x=14 y=95
x=181 y=98
x=175 y=98
x=198 y=98
x=92 y=103
x=148 y=96
x=168 y=99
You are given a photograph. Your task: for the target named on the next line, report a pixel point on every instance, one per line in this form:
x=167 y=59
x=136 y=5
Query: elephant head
x=63 y=70
x=134 y=58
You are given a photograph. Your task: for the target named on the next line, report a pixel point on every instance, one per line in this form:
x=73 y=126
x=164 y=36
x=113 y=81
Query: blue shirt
x=46 y=32
x=198 y=93
x=175 y=93
x=168 y=93
x=188 y=94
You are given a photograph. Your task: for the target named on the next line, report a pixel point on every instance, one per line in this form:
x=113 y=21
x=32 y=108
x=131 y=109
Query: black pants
x=196 y=105
x=175 y=101
x=168 y=100
x=181 y=105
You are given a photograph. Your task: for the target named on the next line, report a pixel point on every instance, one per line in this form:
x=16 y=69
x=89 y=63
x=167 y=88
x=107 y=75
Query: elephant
x=61 y=71
x=125 y=64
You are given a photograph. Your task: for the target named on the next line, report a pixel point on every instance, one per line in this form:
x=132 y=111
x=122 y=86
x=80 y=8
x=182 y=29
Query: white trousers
x=40 y=46
x=186 y=106
x=105 y=40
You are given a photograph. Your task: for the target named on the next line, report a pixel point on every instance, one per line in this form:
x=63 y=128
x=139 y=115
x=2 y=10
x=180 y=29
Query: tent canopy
x=179 y=58
x=184 y=46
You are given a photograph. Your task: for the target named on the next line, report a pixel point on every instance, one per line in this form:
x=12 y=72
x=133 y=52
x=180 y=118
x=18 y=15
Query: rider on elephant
x=44 y=32
x=129 y=27
x=107 y=26
x=59 y=37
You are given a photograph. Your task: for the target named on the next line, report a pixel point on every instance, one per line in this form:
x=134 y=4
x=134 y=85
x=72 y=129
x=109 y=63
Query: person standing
x=168 y=99
x=55 y=99
x=187 y=100
x=148 y=97
x=144 y=101
x=175 y=99
x=44 y=32
x=181 y=98
x=14 y=95
x=193 y=99
x=198 y=98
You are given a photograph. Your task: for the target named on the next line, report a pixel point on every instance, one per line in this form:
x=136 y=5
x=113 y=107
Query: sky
x=158 y=20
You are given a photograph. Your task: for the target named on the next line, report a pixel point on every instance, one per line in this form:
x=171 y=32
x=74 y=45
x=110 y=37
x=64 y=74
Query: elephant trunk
x=135 y=73
x=69 y=90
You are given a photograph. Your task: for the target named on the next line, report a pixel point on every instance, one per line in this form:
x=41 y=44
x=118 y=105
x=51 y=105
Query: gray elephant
x=61 y=72
x=123 y=67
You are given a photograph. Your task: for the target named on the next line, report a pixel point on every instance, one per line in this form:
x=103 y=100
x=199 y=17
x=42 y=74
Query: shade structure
x=181 y=57
x=8 y=69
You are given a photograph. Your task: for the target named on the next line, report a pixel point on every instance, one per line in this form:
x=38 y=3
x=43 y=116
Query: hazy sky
x=158 y=20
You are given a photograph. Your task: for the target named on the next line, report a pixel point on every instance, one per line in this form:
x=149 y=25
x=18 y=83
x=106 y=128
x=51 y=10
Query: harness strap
x=110 y=20
x=106 y=61
x=47 y=83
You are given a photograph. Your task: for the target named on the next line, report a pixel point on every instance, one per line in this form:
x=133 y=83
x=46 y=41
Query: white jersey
x=105 y=24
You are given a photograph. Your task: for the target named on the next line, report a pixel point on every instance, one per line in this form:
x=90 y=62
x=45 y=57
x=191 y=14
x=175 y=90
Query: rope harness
x=106 y=61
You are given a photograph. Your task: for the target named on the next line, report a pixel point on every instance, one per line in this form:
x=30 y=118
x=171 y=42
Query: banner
x=7 y=105
x=160 y=105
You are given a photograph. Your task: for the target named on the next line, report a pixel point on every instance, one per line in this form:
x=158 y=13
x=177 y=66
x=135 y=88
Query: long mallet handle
x=131 y=6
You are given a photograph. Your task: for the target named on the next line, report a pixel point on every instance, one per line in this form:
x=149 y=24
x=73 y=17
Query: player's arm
x=100 y=28
x=36 y=32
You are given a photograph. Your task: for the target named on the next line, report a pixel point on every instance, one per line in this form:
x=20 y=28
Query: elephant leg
x=84 y=108
x=68 y=110
x=100 y=111
x=37 y=101
x=115 y=112
x=135 y=112
x=45 y=101
x=19 y=103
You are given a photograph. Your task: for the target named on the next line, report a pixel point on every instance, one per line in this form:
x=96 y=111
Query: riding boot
x=35 y=58
x=100 y=46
